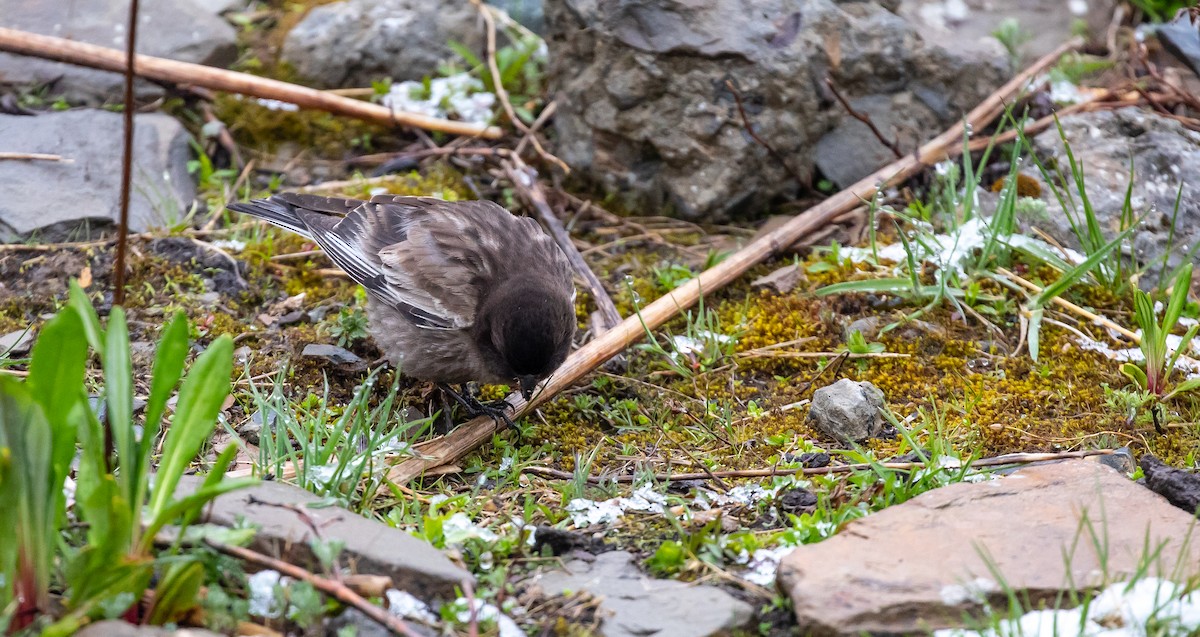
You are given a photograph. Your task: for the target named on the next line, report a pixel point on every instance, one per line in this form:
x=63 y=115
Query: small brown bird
x=458 y=292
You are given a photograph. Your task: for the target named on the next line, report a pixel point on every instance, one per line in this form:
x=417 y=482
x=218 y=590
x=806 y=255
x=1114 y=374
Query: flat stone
x=356 y=42
x=371 y=546
x=183 y=30
x=848 y=410
x=782 y=281
x=61 y=200
x=930 y=562
x=331 y=353
x=117 y=628
x=16 y=343
x=1182 y=40
x=635 y=605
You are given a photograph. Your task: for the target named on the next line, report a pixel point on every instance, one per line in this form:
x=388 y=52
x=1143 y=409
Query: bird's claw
x=497 y=410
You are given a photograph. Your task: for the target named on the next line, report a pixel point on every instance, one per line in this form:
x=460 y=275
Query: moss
x=270 y=130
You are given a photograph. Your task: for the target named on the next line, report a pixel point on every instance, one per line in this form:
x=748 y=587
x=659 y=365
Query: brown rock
x=782 y=281
x=921 y=565
x=285 y=516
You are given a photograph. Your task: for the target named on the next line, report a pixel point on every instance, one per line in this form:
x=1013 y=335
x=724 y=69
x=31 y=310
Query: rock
x=1120 y=459
x=796 y=501
x=91 y=139
x=17 y=343
x=371 y=546
x=847 y=410
x=1183 y=41
x=634 y=605
x=530 y=13
x=930 y=562
x=644 y=105
x=1164 y=153
x=783 y=280
x=356 y=42
x=1180 y=488
x=1044 y=24
x=331 y=353
x=183 y=30
x=117 y=628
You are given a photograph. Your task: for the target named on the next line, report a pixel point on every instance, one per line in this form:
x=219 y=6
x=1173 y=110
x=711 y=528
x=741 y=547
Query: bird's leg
x=465 y=397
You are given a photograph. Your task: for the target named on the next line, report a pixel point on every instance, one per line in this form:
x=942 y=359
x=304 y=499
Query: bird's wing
x=357 y=241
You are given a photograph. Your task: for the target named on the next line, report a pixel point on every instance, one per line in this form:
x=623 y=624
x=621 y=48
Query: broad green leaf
x=168 y=369
x=200 y=400
x=118 y=397
x=56 y=372
x=1135 y=374
x=1191 y=384
x=87 y=314
x=1033 y=335
x=176 y=592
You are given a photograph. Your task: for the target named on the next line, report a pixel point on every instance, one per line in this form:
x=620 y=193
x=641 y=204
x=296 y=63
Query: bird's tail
x=273 y=211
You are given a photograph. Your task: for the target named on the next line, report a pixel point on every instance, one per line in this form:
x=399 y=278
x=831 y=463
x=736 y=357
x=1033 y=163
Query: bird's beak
x=528 y=384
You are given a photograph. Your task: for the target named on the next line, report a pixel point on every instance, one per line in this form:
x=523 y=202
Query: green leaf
x=56 y=372
x=87 y=314
x=1135 y=374
x=1034 y=333
x=27 y=515
x=190 y=504
x=176 y=593
x=168 y=369
x=1191 y=384
x=200 y=400
x=118 y=393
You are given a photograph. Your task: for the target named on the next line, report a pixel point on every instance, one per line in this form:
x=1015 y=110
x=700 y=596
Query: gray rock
x=847 y=410
x=1182 y=39
x=644 y=105
x=1044 y=24
x=117 y=628
x=635 y=605
x=32 y=192
x=355 y=42
x=937 y=559
x=331 y=353
x=1181 y=488
x=17 y=343
x=371 y=546
x=530 y=13
x=183 y=30
x=783 y=280
x=1164 y=153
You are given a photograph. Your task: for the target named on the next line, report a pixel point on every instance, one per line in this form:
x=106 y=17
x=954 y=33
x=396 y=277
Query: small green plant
x=117 y=509
x=1162 y=10
x=1012 y=37
x=1155 y=378
x=349 y=326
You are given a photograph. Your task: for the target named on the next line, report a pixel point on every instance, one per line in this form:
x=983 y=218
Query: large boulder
x=355 y=42
x=60 y=200
x=1164 y=156
x=183 y=30
x=644 y=105
x=949 y=553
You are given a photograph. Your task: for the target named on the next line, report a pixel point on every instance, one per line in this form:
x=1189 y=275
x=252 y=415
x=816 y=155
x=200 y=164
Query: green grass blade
x=118 y=397
x=1072 y=276
x=1034 y=334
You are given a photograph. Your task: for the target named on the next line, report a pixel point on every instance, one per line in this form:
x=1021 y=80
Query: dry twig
x=804 y=180
x=126 y=163
x=33 y=157
x=864 y=118
x=173 y=72
x=337 y=590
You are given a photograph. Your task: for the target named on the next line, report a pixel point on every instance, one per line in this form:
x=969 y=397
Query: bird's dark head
x=528 y=332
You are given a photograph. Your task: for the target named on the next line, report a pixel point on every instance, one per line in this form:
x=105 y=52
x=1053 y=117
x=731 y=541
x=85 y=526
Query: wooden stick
x=171 y=71
x=1007 y=459
x=336 y=590
x=474 y=433
x=525 y=181
x=1058 y=300
x=126 y=170
x=33 y=157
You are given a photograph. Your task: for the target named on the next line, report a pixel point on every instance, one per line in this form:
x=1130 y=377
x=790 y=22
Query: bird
x=458 y=292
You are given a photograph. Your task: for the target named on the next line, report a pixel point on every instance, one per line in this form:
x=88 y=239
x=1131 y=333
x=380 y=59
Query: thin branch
x=737 y=98
x=34 y=157
x=337 y=590
x=126 y=160
x=997 y=461
x=502 y=93
x=864 y=118
x=173 y=72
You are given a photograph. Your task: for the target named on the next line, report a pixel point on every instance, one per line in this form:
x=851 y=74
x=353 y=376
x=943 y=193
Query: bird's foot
x=497 y=410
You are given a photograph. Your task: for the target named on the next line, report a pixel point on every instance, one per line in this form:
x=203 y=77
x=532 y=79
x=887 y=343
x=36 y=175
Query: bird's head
x=529 y=332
